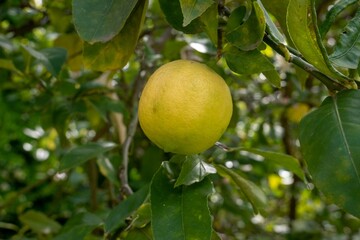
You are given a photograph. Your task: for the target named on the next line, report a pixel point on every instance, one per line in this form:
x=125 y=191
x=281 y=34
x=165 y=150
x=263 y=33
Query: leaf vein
x=342 y=132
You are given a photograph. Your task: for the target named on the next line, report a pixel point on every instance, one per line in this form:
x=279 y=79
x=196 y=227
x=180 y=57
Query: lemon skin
x=185 y=107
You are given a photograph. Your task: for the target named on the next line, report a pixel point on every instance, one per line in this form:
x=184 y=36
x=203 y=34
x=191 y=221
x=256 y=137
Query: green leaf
x=192 y=9
x=273 y=77
x=79 y=226
x=116 y=53
x=210 y=21
x=107 y=169
x=52 y=58
x=284 y=160
x=100 y=20
x=247 y=62
x=193 y=169
x=271 y=27
x=140 y=234
x=118 y=215
x=182 y=212
x=331 y=15
x=253 y=193
x=83 y=153
x=329 y=138
x=247 y=36
x=347 y=49
x=174 y=16
x=39 y=222
x=9 y=65
x=302 y=28
x=74 y=47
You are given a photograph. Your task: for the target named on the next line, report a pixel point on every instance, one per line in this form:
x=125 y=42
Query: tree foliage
x=74 y=164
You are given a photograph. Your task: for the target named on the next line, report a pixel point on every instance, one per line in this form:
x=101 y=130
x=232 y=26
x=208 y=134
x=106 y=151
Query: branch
x=125 y=189
x=289 y=56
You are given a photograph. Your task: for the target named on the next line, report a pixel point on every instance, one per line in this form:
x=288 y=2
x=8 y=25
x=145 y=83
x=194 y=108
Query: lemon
x=185 y=107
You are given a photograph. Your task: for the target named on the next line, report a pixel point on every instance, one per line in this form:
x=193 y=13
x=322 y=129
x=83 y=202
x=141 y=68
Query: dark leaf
x=253 y=193
x=118 y=215
x=182 y=212
x=100 y=20
x=81 y=154
x=330 y=143
x=347 y=50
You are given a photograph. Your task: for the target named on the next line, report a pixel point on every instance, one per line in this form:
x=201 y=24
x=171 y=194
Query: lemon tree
x=179 y=119
x=185 y=107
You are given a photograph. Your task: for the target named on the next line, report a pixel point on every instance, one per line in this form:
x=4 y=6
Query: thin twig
x=125 y=188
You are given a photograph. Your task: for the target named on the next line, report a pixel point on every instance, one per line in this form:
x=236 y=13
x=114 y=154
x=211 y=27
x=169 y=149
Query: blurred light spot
x=199 y=47
x=229 y=164
x=60 y=176
x=27 y=147
x=34 y=133
x=41 y=154
x=281 y=228
x=286 y=177
x=257 y=219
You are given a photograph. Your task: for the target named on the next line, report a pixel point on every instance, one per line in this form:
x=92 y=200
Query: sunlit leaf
x=210 y=20
x=182 y=212
x=330 y=143
x=83 y=153
x=100 y=20
x=74 y=46
x=251 y=191
x=115 y=53
x=192 y=9
x=347 y=49
x=301 y=25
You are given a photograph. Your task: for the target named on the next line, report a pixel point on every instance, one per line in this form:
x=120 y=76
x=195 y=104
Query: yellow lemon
x=185 y=107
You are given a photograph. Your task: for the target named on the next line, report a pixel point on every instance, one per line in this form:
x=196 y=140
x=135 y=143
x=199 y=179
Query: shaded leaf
x=210 y=21
x=252 y=192
x=79 y=226
x=330 y=143
x=192 y=9
x=74 y=46
x=174 y=16
x=249 y=35
x=193 y=169
x=52 y=58
x=182 y=212
x=273 y=77
x=302 y=28
x=118 y=215
x=39 y=222
x=9 y=65
x=347 y=49
x=83 y=153
x=107 y=169
x=115 y=54
x=140 y=234
x=247 y=62
x=100 y=20
x=331 y=15
x=284 y=160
